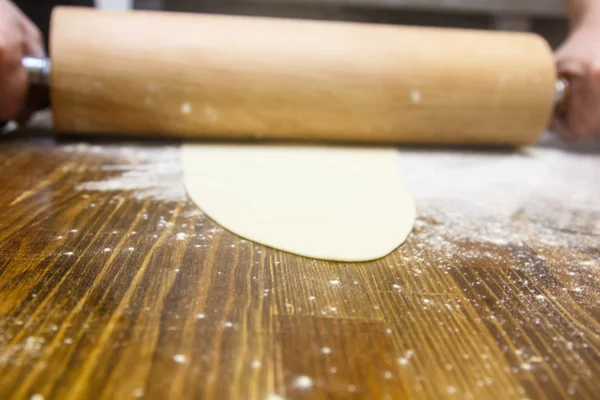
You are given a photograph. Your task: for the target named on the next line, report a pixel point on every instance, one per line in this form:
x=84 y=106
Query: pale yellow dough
x=334 y=203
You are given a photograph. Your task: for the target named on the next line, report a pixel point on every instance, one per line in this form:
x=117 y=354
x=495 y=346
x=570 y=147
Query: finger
x=32 y=39
x=560 y=128
x=13 y=80
x=572 y=67
x=34 y=46
x=582 y=117
x=14 y=89
x=16 y=10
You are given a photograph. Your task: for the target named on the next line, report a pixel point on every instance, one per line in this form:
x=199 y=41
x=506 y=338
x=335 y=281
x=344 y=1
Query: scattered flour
x=463 y=196
x=303 y=382
x=473 y=195
x=29 y=349
x=179 y=358
x=149 y=172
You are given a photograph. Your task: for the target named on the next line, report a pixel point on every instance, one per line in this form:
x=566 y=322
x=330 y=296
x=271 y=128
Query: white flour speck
x=37 y=396
x=179 y=358
x=255 y=364
x=334 y=282
x=415 y=96
x=303 y=382
x=185 y=108
x=326 y=350
x=200 y=316
x=180 y=236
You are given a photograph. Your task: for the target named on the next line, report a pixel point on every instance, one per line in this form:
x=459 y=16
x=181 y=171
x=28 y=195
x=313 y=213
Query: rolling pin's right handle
x=563 y=97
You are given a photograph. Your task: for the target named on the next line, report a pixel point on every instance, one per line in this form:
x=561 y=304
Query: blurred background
x=546 y=17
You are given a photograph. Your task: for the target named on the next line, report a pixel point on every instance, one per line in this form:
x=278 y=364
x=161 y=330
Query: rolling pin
x=185 y=75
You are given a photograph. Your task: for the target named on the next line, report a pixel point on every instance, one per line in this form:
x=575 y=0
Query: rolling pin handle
x=562 y=97
x=38 y=70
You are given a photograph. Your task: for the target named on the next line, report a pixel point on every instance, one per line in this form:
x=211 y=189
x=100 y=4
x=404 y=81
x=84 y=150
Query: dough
x=334 y=203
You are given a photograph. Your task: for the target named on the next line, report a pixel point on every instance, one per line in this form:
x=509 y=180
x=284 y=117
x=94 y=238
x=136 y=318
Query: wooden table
x=114 y=293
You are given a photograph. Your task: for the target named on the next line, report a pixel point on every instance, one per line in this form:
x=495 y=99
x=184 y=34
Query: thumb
x=571 y=67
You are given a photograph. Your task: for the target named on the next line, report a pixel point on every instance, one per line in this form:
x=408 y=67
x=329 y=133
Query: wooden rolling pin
x=207 y=76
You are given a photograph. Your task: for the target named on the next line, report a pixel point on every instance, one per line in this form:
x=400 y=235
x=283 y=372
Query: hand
x=578 y=59
x=19 y=37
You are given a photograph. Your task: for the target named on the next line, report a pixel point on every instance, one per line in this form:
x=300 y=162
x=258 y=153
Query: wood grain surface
x=114 y=294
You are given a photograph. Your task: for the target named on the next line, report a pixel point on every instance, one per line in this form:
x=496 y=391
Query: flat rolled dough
x=334 y=203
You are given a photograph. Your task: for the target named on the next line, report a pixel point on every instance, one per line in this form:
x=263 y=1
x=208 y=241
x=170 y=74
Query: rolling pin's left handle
x=38 y=70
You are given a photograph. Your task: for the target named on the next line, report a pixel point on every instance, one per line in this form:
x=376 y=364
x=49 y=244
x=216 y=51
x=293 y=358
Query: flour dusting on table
x=475 y=194
x=148 y=172
x=540 y=203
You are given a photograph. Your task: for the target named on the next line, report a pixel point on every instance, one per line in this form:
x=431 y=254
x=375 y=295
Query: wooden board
x=119 y=294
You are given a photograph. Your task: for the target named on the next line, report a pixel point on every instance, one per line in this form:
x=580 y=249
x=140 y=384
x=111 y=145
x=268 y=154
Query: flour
x=29 y=349
x=474 y=195
x=148 y=172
